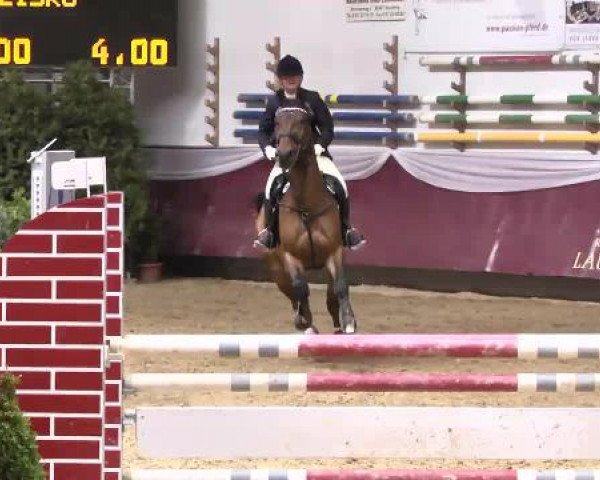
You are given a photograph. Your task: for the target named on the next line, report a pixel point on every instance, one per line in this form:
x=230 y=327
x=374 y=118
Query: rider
x=290 y=74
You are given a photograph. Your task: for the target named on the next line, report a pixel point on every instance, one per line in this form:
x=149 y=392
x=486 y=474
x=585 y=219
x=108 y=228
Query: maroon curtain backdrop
x=408 y=223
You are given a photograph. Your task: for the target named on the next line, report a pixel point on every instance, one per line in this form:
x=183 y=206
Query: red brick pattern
x=54 y=277
x=84 y=221
x=112 y=420
x=80 y=289
x=25 y=289
x=115 y=228
x=80 y=243
x=53 y=312
x=93 y=335
x=29 y=335
x=29 y=244
x=54 y=266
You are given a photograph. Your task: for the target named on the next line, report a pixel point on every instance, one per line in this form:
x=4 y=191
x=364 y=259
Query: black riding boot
x=267 y=238
x=352 y=238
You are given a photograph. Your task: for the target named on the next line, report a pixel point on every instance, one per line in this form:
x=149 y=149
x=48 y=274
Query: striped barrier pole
x=512 y=99
x=364 y=474
x=334 y=99
x=504 y=137
x=342 y=116
x=369 y=382
x=364 y=135
x=341 y=99
x=512 y=118
x=522 y=346
x=482 y=60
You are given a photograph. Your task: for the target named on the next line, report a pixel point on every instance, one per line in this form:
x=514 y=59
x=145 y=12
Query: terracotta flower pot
x=150 y=272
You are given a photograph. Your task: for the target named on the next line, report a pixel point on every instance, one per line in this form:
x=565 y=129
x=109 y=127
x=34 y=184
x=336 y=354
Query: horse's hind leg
x=346 y=318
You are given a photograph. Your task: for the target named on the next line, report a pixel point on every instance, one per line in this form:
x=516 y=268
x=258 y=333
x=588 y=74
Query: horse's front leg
x=346 y=318
x=333 y=305
x=303 y=319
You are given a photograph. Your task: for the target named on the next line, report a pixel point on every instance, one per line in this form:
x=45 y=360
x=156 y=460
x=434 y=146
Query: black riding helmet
x=289 y=66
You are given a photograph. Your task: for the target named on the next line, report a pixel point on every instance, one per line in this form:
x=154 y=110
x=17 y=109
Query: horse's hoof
x=349 y=327
x=301 y=323
x=311 y=331
x=338 y=331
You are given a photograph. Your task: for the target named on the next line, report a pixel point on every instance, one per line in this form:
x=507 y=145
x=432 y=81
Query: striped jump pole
x=512 y=99
x=359 y=135
x=482 y=60
x=522 y=346
x=369 y=382
x=513 y=118
x=364 y=474
x=341 y=99
x=480 y=136
x=343 y=116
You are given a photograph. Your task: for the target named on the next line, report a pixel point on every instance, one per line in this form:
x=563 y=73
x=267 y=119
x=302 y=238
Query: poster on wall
x=457 y=26
x=582 y=24
x=375 y=10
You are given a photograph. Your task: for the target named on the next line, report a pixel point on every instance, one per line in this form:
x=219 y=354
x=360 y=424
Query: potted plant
x=149 y=243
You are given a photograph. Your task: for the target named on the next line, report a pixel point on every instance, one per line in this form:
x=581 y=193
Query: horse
x=309 y=226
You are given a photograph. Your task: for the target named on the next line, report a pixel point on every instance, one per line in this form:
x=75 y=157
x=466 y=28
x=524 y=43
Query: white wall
x=338 y=57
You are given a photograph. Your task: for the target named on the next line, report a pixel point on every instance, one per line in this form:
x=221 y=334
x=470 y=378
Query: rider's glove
x=270 y=153
x=319 y=150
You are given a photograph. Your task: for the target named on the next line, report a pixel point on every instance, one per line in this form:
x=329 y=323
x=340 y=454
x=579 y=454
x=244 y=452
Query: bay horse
x=310 y=235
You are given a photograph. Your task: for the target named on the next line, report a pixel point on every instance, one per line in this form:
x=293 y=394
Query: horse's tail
x=259 y=200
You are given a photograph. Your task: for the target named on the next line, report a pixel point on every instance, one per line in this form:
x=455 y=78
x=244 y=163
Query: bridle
x=292 y=136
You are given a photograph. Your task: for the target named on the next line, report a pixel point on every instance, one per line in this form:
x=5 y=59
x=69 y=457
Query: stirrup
x=353 y=239
x=265 y=240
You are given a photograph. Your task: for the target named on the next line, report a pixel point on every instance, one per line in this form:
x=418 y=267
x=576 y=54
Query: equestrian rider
x=290 y=74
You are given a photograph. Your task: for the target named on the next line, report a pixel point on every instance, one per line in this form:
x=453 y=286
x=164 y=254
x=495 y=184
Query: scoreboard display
x=110 y=33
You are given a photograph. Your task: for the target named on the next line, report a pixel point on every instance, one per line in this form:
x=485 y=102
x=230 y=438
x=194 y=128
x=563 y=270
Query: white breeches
x=325 y=164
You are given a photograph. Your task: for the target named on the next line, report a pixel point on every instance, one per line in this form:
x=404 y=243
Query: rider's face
x=291 y=84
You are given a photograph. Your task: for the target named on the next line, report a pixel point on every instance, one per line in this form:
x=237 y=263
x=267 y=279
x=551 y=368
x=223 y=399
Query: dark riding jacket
x=322 y=122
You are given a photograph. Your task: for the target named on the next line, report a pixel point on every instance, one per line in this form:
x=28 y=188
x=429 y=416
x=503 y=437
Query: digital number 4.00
x=15 y=51
x=143 y=51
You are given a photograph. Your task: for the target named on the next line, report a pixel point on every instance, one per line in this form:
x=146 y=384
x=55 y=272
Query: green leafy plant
x=19 y=457
x=14 y=212
x=93 y=120
x=149 y=238
x=96 y=120
x=26 y=124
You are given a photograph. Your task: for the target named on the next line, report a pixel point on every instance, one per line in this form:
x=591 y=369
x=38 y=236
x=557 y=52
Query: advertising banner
x=460 y=26
x=582 y=24
x=375 y=10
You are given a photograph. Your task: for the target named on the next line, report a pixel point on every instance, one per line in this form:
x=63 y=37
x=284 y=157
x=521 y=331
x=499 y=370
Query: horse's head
x=293 y=134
